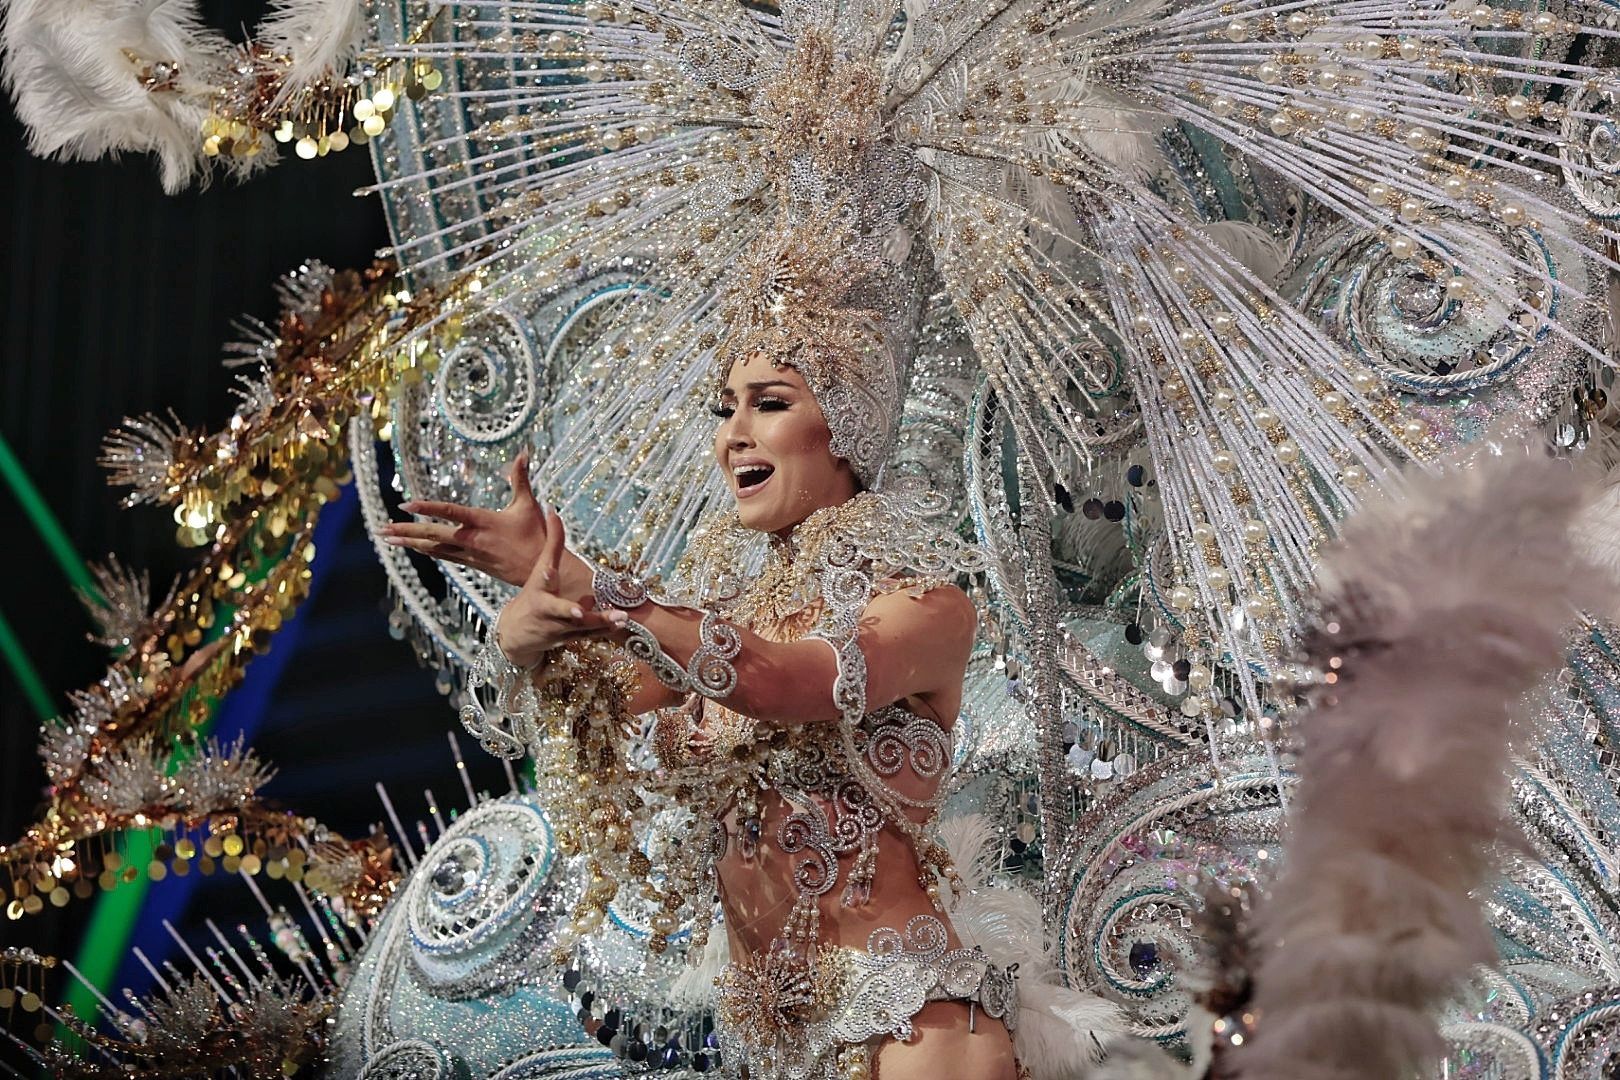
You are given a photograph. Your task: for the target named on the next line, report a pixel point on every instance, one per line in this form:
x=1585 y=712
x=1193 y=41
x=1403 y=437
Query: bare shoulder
x=943 y=612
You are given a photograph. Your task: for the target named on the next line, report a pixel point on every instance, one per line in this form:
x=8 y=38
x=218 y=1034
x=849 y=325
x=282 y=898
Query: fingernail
x=618 y=618
x=408 y=506
x=578 y=613
x=393 y=541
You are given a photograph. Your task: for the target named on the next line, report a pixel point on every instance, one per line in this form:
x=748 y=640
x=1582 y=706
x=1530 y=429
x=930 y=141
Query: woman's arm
x=914 y=646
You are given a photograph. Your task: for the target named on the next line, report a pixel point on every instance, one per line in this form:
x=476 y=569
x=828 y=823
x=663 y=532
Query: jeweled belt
x=787 y=1018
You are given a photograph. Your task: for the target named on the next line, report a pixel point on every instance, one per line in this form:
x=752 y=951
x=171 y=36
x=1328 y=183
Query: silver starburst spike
x=299 y=292
x=256 y=343
x=63 y=747
x=120 y=604
x=141 y=453
x=255 y=394
x=128 y=780
x=219 y=777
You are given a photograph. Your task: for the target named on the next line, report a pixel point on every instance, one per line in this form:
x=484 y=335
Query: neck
x=784 y=537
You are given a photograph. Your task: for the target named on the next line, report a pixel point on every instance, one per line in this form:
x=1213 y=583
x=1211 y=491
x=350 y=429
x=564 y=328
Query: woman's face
x=773 y=447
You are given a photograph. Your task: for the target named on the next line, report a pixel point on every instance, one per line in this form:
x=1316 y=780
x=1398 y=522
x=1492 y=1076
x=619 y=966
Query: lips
x=750 y=477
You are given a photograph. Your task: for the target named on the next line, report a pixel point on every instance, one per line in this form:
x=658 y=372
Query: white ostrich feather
x=1248 y=244
x=1004 y=921
x=1117 y=15
x=1122 y=135
x=1597 y=528
x=694 y=987
x=1118 y=132
x=67 y=66
x=1060 y=1032
x=319 y=37
x=971 y=840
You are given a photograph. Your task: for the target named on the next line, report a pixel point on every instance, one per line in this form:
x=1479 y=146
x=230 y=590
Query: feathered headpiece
x=93 y=78
x=1011 y=169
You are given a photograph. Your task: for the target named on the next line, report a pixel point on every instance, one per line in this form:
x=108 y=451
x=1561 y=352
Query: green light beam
x=44 y=521
x=23 y=670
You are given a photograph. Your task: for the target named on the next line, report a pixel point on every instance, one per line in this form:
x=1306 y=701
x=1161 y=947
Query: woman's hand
x=539 y=620
x=505 y=543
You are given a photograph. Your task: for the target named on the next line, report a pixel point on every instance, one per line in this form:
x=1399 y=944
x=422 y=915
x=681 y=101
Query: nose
x=734 y=432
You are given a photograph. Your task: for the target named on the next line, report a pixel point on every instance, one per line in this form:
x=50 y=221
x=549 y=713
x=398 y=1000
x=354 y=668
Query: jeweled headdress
x=811 y=299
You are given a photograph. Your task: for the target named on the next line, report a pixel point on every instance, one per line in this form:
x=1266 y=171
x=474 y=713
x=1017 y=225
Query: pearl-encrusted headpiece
x=1231 y=237
x=813 y=299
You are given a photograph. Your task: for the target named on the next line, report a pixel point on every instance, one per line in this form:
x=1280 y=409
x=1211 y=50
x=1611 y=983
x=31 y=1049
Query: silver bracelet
x=710 y=669
x=613 y=589
x=644 y=646
x=616 y=589
x=503 y=717
x=708 y=673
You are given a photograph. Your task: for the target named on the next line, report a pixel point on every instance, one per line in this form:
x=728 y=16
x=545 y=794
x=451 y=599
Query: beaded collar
x=769 y=583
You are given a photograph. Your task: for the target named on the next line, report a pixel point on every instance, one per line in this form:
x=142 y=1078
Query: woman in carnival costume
x=805 y=668
x=1274 y=252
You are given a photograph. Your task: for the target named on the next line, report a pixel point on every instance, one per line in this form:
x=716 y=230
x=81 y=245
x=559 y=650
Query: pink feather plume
x=1443 y=609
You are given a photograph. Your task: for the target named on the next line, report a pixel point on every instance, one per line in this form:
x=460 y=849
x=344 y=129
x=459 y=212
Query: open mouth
x=750 y=478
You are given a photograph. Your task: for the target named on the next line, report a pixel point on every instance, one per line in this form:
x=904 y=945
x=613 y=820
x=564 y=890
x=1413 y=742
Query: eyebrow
x=761 y=385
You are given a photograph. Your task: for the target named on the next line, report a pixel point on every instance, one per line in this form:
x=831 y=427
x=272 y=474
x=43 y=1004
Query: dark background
x=117 y=301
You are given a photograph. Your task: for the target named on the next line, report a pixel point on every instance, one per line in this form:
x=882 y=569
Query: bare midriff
x=758 y=886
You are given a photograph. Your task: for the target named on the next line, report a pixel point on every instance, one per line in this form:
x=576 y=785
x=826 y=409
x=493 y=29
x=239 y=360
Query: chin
x=758 y=518
x=769 y=513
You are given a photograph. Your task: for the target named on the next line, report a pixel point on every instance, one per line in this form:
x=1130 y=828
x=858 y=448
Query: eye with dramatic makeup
x=725 y=408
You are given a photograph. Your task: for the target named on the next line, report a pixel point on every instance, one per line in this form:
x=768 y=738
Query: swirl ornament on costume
x=453 y=981
x=616 y=590
x=905 y=741
x=1136 y=865
x=473 y=902
x=1590 y=149
x=1417 y=321
x=807 y=831
x=455 y=436
x=710 y=669
x=855 y=816
x=489 y=384
x=924 y=939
